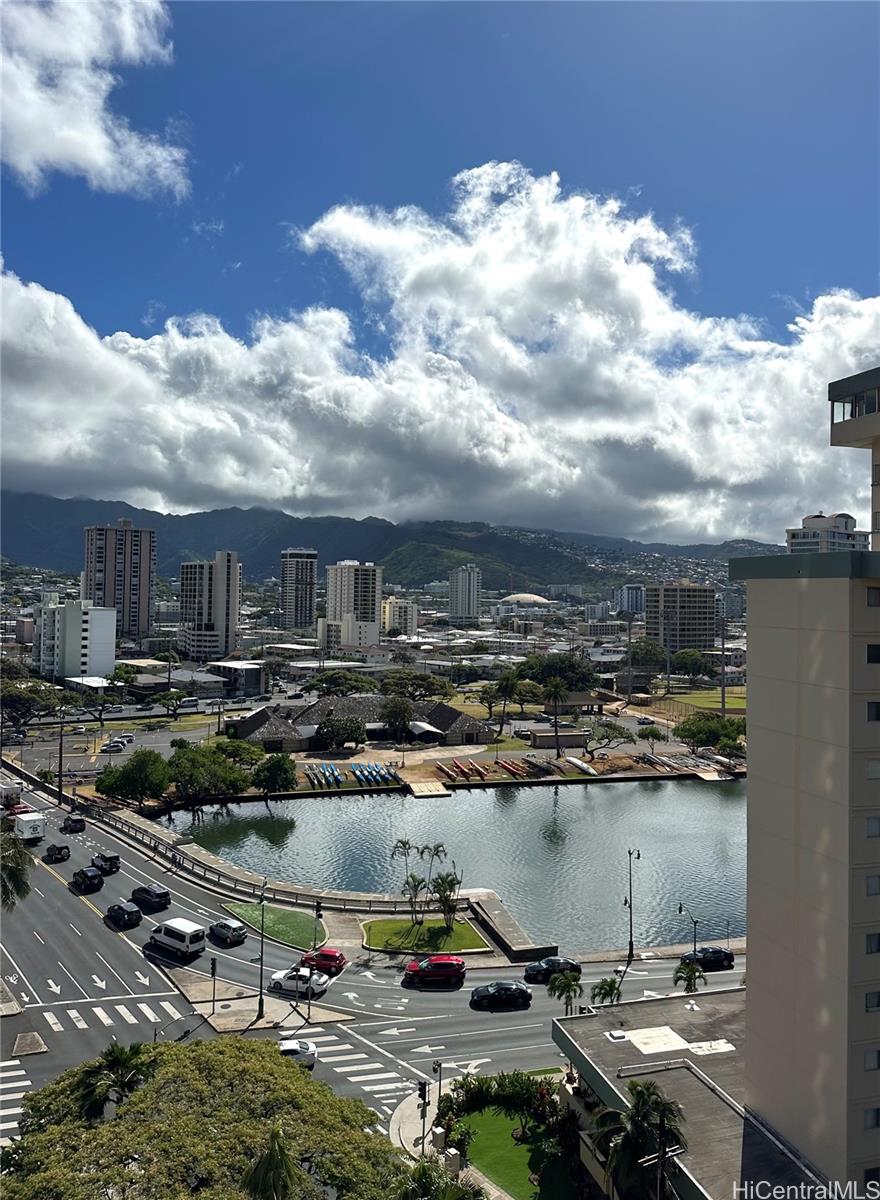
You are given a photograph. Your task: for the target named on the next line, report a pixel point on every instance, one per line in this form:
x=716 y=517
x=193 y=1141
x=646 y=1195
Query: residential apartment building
x=120 y=573
x=597 y=612
x=210 y=605
x=681 y=615
x=820 y=534
x=299 y=582
x=630 y=598
x=73 y=639
x=465 y=594
x=400 y=614
x=354 y=605
x=812 y=1059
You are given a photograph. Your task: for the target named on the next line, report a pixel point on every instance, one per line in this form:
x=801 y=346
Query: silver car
x=299 y=981
x=304 y=1053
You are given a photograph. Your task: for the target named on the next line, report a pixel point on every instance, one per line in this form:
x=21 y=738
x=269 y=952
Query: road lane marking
x=9 y=1112
x=148 y=1012
x=21 y=973
x=77 y=1019
x=327 y=1037
x=73 y=981
x=8 y=1075
x=10 y=1062
x=39 y=939
x=170 y=1009
x=116 y=973
x=380 y=1050
x=102 y=1016
x=503 y=1050
x=39 y=893
x=375 y=1075
x=74 y=928
x=126 y=1015
x=390 y=1087
x=54 y=1024
x=8 y=1124
x=15 y=1095
x=105 y=999
x=335 y=1058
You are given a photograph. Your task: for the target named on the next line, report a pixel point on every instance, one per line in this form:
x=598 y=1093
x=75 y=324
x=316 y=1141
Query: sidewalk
x=405 y=1130
x=235 y=1010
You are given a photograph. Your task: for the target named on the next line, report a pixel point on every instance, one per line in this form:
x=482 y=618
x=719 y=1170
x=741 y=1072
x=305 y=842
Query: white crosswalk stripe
x=76 y=1018
x=126 y=1015
x=61 y=1020
x=54 y=1023
x=148 y=1012
x=170 y=1009
x=375 y=1075
x=102 y=1016
x=334 y=1058
x=364 y=1066
x=14 y=1085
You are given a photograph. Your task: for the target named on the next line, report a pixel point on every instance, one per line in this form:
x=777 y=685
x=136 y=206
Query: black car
x=711 y=958
x=88 y=879
x=543 y=971
x=151 y=897
x=125 y=915
x=107 y=864
x=57 y=853
x=73 y=824
x=507 y=993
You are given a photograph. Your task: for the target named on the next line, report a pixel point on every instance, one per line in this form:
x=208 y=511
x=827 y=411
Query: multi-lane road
x=82 y=984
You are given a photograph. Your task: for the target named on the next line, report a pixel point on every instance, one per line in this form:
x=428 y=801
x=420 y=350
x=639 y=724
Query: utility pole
x=60 y=754
x=261 y=1005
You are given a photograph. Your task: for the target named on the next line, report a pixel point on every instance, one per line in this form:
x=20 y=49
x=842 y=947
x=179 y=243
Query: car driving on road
x=327 y=959
x=299 y=981
x=544 y=970
x=151 y=897
x=228 y=932
x=107 y=864
x=56 y=853
x=436 y=968
x=125 y=915
x=305 y=1054
x=506 y=993
x=711 y=958
x=88 y=879
x=73 y=824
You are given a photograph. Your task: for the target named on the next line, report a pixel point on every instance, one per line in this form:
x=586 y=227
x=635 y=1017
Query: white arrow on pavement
x=25 y=997
x=469 y=1066
x=53 y=986
x=98 y=982
x=144 y=979
x=426 y=1049
x=398 y=1032
x=370 y=975
x=353 y=997
x=652 y=995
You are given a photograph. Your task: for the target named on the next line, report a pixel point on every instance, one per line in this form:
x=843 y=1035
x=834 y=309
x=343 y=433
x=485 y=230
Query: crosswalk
x=134 y=1012
x=14 y=1085
x=384 y=1086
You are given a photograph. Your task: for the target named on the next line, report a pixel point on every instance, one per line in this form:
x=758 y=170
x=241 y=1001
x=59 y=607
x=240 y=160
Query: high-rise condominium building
x=120 y=573
x=210 y=606
x=465 y=594
x=630 y=598
x=680 y=616
x=354 y=605
x=73 y=639
x=400 y=614
x=813 y=999
x=299 y=581
x=819 y=534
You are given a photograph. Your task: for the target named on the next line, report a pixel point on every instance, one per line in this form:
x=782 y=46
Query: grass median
x=286 y=925
x=431 y=937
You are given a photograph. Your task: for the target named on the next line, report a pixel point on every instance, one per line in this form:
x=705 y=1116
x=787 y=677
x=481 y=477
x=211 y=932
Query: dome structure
x=525 y=598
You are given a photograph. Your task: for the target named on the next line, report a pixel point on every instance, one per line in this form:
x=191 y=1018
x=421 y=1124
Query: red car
x=326 y=959
x=436 y=968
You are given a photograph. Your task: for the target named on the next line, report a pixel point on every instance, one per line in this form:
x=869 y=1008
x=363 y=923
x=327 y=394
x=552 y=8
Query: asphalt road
x=83 y=984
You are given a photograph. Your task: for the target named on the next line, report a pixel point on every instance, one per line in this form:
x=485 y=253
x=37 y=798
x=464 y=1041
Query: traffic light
x=423 y=1091
x=319 y=910
x=213 y=967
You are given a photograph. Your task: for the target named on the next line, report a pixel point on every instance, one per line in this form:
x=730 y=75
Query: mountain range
x=44 y=531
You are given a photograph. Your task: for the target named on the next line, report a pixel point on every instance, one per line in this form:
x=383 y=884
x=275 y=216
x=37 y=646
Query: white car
x=299 y=981
x=113 y=748
x=304 y=1053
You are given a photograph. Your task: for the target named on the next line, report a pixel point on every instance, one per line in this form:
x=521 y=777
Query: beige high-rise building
x=120 y=573
x=465 y=594
x=680 y=615
x=400 y=614
x=813 y=999
x=299 y=580
x=354 y=605
x=210 y=607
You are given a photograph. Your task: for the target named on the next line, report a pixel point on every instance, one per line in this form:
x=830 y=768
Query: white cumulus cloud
x=539 y=370
x=58 y=74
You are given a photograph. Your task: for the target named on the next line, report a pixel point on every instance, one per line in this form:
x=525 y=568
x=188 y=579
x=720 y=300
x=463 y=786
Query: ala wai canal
x=557 y=855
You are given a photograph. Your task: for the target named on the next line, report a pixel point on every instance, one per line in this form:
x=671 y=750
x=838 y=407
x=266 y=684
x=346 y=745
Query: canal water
x=557 y=855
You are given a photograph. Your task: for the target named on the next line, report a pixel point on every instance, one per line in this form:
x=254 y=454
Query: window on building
x=874 y=652
x=872 y=943
x=872 y=597
x=874 y=710
x=872 y=885
x=872 y=827
x=872 y=1060
x=873 y=768
x=872 y=1118
x=872 y=1001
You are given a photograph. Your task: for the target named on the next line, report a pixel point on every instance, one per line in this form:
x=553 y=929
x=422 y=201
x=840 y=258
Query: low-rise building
x=242 y=678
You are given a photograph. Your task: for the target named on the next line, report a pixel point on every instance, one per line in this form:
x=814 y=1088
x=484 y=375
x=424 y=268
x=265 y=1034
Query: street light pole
x=683 y=908
x=261 y=1004
x=60 y=755
x=628 y=903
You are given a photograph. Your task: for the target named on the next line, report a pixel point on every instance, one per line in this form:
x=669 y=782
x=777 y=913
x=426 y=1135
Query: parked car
x=151 y=897
x=179 y=936
x=644 y=721
x=228 y=931
x=544 y=970
x=107 y=864
x=57 y=853
x=295 y=695
x=78 y=729
x=112 y=747
x=299 y=981
x=125 y=738
x=73 y=824
x=328 y=960
x=436 y=968
x=88 y=879
x=303 y=1053
x=711 y=958
x=506 y=993
x=125 y=915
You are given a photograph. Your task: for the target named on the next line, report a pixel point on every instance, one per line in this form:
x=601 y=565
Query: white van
x=179 y=936
x=188 y=704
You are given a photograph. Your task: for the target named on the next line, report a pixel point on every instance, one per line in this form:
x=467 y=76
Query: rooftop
x=693 y=1047
x=841 y=564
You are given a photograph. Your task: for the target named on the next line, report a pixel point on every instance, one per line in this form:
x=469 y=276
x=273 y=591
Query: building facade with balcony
x=821 y=534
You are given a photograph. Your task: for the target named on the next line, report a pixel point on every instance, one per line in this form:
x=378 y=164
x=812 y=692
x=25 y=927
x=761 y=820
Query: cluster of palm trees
x=649 y=1128
x=440 y=886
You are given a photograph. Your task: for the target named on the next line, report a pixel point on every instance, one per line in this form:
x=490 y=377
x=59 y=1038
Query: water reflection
x=556 y=854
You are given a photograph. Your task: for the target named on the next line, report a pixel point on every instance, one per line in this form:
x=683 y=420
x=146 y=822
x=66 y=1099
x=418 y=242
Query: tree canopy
x=690 y=662
x=276 y=773
x=145 y=776
x=341 y=683
x=710 y=729
x=334 y=732
x=199 y=771
x=577 y=673
x=397 y=712
x=415 y=685
x=648 y=655
x=199 y=1116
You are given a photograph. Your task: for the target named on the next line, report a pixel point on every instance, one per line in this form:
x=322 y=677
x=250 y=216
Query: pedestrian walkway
x=150 y=1011
x=14 y=1085
x=382 y=1084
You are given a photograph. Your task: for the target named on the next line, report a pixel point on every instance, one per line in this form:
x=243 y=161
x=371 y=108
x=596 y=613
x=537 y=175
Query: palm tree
x=435 y=853
x=625 y=1136
x=555 y=690
x=413 y=886
x=691 y=974
x=430 y=1180
x=15 y=865
x=403 y=848
x=505 y=690
x=274 y=1174
x=606 y=991
x=567 y=987
x=115 y=1074
x=444 y=887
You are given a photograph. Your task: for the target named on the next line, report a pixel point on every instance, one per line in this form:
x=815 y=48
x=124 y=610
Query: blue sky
x=381 y=339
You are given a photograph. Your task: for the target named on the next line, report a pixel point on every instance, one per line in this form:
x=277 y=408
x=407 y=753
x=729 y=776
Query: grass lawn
x=509 y=1163
x=509 y=743
x=736 y=699
x=392 y=933
x=283 y=924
